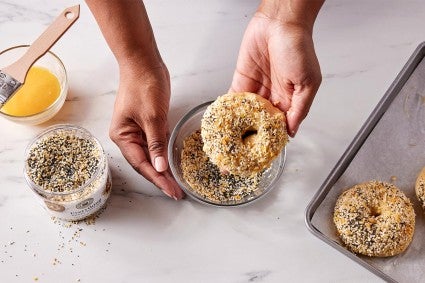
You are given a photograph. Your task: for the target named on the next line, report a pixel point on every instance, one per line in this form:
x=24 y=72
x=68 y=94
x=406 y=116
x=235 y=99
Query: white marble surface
x=144 y=236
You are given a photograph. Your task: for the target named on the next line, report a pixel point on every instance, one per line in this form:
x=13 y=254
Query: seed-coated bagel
x=375 y=219
x=243 y=133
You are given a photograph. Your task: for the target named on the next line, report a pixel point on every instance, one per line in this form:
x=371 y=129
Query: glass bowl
x=184 y=128
x=48 y=61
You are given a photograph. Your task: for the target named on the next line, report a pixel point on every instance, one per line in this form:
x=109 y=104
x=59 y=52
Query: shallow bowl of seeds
x=202 y=180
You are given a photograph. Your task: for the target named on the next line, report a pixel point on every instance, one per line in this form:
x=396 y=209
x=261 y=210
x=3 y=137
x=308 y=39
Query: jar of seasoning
x=68 y=170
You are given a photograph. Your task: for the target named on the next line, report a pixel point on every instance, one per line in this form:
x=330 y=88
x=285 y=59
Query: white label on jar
x=81 y=208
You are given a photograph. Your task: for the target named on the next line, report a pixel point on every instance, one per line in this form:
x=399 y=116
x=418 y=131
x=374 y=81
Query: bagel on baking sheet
x=243 y=133
x=374 y=219
x=420 y=187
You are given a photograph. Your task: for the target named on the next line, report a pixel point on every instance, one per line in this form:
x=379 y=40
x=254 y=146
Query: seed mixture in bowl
x=205 y=178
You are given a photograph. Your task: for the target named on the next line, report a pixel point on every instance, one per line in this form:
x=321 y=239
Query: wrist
x=140 y=61
x=144 y=69
x=293 y=15
x=143 y=50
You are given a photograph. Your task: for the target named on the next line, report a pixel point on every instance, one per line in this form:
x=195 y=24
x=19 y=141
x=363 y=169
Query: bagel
x=374 y=219
x=420 y=187
x=243 y=133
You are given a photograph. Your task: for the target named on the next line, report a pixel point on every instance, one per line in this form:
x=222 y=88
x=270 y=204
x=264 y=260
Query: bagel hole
x=375 y=211
x=248 y=134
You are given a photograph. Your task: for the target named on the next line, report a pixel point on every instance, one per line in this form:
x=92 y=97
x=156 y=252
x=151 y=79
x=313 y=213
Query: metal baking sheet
x=389 y=147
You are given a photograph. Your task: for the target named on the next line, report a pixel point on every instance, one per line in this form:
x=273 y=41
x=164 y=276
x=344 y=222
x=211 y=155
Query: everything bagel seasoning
x=67 y=168
x=62 y=162
x=205 y=178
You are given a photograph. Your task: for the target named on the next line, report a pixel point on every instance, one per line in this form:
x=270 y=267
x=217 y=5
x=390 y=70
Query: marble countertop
x=144 y=236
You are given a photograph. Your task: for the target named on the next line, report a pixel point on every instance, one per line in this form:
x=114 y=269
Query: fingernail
x=178 y=194
x=160 y=164
x=168 y=194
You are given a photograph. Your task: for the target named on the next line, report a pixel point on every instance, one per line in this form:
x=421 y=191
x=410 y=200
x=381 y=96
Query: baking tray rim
x=352 y=150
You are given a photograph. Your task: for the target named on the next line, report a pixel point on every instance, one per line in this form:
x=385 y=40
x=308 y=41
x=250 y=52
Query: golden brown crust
x=420 y=187
x=243 y=133
x=375 y=219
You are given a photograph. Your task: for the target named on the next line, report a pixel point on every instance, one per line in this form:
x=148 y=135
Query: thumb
x=156 y=137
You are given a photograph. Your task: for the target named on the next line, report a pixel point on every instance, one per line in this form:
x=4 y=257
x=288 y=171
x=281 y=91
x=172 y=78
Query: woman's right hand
x=139 y=120
x=139 y=123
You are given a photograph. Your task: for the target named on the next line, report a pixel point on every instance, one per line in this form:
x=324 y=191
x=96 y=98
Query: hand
x=139 y=123
x=278 y=62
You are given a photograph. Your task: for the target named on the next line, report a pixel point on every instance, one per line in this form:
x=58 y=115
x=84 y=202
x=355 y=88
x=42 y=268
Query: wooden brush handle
x=42 y=44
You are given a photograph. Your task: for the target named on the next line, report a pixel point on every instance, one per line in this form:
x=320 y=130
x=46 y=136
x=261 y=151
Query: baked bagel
x=243 y=133
x=375 y=219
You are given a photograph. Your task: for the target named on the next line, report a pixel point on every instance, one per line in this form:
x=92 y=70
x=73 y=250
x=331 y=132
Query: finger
x=163 y=180
x=178 y=191
x=156 y=137
x=302 y=98
x=243 y=83
x=136 y=157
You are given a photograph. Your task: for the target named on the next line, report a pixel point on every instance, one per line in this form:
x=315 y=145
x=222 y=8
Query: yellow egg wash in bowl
x=43 y=93
x=40 y=90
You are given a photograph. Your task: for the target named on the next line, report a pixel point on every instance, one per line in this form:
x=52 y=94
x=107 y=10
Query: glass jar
x=68 y=170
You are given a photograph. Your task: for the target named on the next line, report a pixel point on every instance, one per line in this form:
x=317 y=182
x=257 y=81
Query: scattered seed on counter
x=71 y=242
x=56 y=261
x=205 y=178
